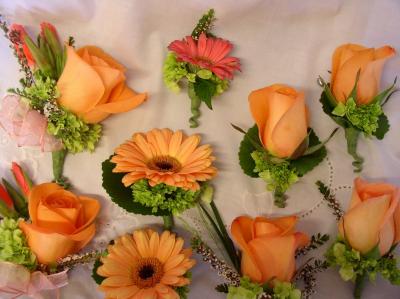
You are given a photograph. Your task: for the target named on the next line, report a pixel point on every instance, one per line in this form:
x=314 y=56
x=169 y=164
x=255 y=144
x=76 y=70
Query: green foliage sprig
x=279 y=174
x=354 y=118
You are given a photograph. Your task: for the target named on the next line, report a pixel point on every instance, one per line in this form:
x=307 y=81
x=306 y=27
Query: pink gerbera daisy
x=208 y=53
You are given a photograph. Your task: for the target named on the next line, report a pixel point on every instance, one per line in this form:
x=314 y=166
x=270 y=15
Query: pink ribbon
x=26 y=126
x=16 y=281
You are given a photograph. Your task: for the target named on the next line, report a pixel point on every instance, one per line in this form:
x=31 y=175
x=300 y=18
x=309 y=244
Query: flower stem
x=168 y=222
x=359 y=285
x=58 y=167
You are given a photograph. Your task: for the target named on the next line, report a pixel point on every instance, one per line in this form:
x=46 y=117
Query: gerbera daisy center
x=148 y=272
x=164 y=164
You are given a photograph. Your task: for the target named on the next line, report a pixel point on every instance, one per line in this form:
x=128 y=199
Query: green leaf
x=327 y=108
x=330 y=98
x=340 y=109
x=374 y=253
x=352 y=135
x=205 y=90
x=222 y=288
x=246 y=148
x=121 y=195
x=97 y=278
x=312 y=149
x=384 y=96
x=383 y=127
x=306 y=163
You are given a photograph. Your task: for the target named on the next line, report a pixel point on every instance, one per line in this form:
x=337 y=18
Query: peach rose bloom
x=373 y=217
x=92 y=85
x=268 y=246
x=281 y=117
x=61 y=222
x=347 y=60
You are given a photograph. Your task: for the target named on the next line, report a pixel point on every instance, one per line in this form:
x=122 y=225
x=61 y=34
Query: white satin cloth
x=278 y=41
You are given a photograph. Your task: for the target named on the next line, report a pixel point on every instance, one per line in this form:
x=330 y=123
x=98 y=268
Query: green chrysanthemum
x=13 y=245
x=174 y=71
x=163 y=197
x=278 y=176
x=246 y=290
x=75 y=134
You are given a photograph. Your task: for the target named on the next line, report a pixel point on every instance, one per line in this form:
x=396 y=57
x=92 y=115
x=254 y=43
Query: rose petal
x=274 y=257
x=80 y=86
x=362 y=224
x=241 y=231
x=291 y=129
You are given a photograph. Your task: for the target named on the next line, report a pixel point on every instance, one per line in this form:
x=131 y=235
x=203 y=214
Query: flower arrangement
x=159 y=173
x=368 y=234
x=64 y=95
x=281 y=147
x=352 y=99
x=145 y=264
x=202 y=59
x=42 y=229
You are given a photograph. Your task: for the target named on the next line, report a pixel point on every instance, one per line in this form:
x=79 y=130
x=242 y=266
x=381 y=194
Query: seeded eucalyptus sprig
x=330 y=198
x=205 y=24
x=15 y=43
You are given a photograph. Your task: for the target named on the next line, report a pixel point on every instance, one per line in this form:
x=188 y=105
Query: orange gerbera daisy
x=145 y=265
x=164 y=156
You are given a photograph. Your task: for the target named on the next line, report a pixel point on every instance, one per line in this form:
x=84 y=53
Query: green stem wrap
x=168 y=222
x=352 y=135
x=58 y=167
x=194 y=106
x=359 y=285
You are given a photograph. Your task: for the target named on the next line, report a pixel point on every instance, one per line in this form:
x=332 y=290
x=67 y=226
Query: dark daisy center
x=164 y=164
x=146 y=271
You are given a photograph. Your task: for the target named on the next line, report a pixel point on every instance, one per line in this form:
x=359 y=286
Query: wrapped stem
x=168 y=222
x=359 y=285
x=194 y=106
x=58 y=167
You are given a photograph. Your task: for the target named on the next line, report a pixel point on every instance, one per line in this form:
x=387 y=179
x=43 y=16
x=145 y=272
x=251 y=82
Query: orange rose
x=281 y=117
x=268 y=246
x=347 y=60
x=61 y=222
x=92 y=85
x=373 y=217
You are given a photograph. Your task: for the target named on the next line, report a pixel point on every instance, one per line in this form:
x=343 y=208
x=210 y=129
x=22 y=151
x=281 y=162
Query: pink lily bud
x=17 y=36
x=6 y=198
x=24 y=182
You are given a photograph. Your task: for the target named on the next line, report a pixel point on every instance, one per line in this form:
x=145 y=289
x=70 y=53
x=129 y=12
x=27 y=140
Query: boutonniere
x=42 y=229
x=352 y=98
x=203 y=61
x=145 y=264
x=281 y=147
x=64 y=95
x=369 y=232
x=160 y=173
x=265 y=265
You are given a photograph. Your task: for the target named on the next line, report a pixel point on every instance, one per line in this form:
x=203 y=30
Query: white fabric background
x=280 y=41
